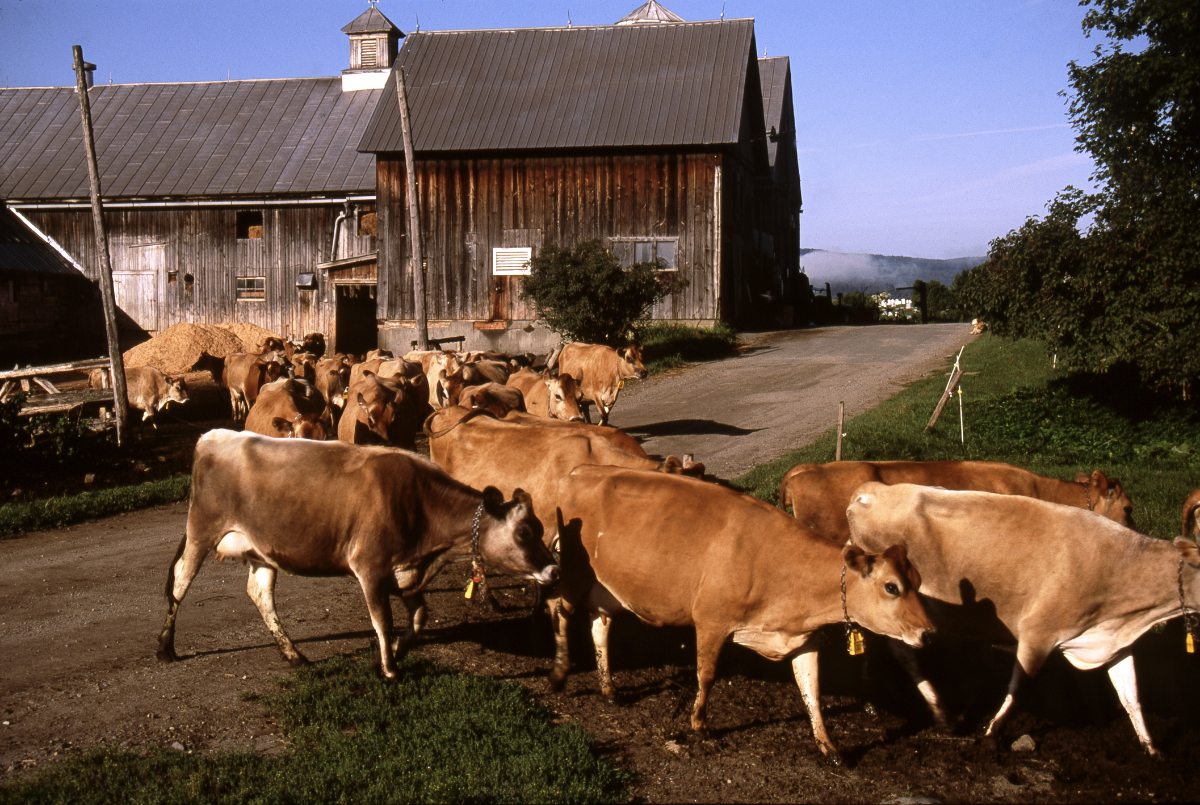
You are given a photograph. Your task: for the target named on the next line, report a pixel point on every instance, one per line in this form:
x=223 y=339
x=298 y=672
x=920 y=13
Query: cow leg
x=708 y=651
x=601 y=623
x=1124 y=679
x=605 y=410
x=260 y=586
x=1029 y=662
x=184 y=568
x=909 y=660
x=804 y=668
x=562 y=659
x=417 y=611
x=379 y=605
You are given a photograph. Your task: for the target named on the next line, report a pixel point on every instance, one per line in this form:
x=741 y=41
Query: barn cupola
x=650 y=13
x=374 y=42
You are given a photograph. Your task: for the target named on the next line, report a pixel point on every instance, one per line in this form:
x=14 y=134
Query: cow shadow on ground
x=689 y=427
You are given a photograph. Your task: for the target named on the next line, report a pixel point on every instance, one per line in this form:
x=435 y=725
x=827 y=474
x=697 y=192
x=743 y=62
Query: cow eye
x=891 y=588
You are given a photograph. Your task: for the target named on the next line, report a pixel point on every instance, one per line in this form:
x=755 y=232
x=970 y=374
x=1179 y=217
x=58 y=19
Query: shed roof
x=268 y=137
x=369 y=22
x=680 y=84
x=23 y=251
x=650 y=12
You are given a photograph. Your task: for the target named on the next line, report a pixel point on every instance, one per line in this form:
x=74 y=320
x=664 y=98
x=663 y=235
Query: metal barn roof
x=679 y=84
x=230 y=138
x=23 y=251
x=774 y=73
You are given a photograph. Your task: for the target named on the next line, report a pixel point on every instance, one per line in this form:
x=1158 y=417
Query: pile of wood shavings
x=178 y=349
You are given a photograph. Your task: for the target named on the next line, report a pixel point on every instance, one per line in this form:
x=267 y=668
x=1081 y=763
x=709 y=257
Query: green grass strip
x=1019 y=410
x=668 y=346
x=19 y=518
x=433 y=736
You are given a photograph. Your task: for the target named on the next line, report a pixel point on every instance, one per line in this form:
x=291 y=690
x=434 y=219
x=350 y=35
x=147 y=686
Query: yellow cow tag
x=621 y=383
x=470 y=589
x=1191 y=644
x=856 y=643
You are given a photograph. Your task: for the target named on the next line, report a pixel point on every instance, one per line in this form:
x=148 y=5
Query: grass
x=19 y=518
x=667 y=346
x=1019 y=410
x=433 y=736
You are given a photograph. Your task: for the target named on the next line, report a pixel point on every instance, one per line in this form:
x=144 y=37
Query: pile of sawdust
x=178 y=349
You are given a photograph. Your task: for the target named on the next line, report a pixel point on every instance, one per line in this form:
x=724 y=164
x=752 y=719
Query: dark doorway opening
x=356 y=330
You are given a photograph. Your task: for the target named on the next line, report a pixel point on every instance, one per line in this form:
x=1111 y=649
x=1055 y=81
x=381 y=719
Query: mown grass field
x=1018 y=409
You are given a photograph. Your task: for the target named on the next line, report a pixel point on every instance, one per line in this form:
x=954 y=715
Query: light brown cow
x=148 y=390
x=303 y=366
x=496 y=399
x=437 y=365
x=314 y=344
x=1191 y=526
x=244 y=374
x=397 y=520
x=333 y=378
x=1047 y=577
x=478 y=449
x=617 y=438
x=681 y=552
x=601 y=373
x=819 y=493
x=290 y=408
x=384 y=411
x=548 y=394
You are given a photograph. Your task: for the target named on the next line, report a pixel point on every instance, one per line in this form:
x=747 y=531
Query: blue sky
x=926 y=128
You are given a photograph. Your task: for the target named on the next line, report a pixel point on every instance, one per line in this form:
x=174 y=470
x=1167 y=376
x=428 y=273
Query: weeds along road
x=781 y=393
x=81 y=607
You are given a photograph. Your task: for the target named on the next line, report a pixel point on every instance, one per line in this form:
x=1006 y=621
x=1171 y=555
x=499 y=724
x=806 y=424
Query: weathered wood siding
x=182 y=265
x=48 y=315
x=470 y=206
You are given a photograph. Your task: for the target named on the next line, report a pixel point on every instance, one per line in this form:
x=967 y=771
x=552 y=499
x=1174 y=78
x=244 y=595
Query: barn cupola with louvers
x=374 y=41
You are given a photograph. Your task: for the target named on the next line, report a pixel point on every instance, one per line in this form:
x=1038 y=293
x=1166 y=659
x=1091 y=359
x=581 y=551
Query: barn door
x=137 y=290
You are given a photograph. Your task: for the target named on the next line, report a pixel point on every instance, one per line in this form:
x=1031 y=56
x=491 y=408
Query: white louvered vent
x=510 y=262
x=367 y=52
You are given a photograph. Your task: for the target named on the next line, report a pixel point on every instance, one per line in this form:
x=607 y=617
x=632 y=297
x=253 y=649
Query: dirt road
x=782 y=393
x=80 y=610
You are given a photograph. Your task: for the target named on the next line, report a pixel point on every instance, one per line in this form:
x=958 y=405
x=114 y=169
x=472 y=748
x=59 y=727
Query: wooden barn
x=667 y=139
x=49 y=311
x=231 y=201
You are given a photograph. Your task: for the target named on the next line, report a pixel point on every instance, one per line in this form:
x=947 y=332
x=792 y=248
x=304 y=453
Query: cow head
x=510 y=538
x=305 y=366
x=881 y=593
x=314 y=344
x=176 y=390
x=1107 y=498
x=377 y=405
x=1191 y=525
x=565 y=396
x=301 y=426
x=631 y=362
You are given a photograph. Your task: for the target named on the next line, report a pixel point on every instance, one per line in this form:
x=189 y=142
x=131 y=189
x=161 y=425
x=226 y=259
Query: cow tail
x=169 y=591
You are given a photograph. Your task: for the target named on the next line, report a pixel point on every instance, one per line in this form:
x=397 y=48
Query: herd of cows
x=518 y=483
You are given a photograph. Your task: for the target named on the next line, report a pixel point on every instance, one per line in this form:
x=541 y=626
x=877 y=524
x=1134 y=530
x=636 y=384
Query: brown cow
x=148 y=390
x=496 y=399
x=548 y=394
x=601 y=373
x=314 y=344
x=1191 y=527
x=681 y=552
x=437 y=365
x=333 y=378
x=384 y=410
x=819 y=493
x=290 y=408
x=397 y=520
x=1047 y=577
x=244 y=374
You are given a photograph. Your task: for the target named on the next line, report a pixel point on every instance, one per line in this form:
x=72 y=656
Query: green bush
x=583 y=294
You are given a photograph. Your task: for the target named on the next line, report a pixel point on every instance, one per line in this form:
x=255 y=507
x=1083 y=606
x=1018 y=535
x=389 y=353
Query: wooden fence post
x=414 y=216
x=841 y=422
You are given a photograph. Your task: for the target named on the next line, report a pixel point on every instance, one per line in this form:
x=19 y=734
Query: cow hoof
x=299 y=661
x=556 y=685
x=167 y=655
x=870 y=710
x=989 y=745
x=832 y=758
x=697 y=736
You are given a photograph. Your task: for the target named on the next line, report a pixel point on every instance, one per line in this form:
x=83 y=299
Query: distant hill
x=874 y=273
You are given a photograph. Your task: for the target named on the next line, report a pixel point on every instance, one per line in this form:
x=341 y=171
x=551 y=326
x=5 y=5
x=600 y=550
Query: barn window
x=249 y=224
x=511 y=262
x=646 y=250
x=367 y=225
x=367 y=52
x=251 y=289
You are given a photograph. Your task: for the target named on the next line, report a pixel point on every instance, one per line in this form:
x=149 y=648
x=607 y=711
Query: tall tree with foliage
x=583 y=294
x=1127 y=289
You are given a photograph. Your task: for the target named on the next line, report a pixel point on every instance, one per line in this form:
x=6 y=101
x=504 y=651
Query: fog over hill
x=873 y=273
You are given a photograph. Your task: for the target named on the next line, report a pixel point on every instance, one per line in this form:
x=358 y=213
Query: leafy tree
x=941 y=302
x=583 y=294
x=1126 y=290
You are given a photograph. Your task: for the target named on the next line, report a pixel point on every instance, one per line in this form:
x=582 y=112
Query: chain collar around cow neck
x=846 y=612
x=476 y=559
x=1189 y=615
x=1087 y=490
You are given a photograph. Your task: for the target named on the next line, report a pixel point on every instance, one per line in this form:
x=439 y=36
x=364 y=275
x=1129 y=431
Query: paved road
x=782 y=393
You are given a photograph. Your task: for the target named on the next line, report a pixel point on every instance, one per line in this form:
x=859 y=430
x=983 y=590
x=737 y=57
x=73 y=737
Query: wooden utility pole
x=841 y=424
x=414 y=217
x=116 y=361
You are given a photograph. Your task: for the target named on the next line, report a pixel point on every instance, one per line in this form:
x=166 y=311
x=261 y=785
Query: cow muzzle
x=547 y=576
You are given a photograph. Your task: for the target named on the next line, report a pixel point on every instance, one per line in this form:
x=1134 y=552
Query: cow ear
x=1188 y=551
x=1101 y=481
x=493 y=501
x=282 y=425
x=672 y=466
x=521 y=496
x=1082 y=477
x=858 y=560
